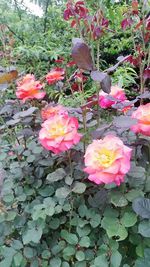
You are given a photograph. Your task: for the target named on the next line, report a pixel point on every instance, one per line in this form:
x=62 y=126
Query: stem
x=70 y=163
x=84 y=127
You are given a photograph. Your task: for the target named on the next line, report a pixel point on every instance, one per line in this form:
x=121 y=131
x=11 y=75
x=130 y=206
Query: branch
x=21 y=39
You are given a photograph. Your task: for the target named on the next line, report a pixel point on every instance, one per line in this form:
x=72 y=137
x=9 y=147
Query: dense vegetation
x=75 y=134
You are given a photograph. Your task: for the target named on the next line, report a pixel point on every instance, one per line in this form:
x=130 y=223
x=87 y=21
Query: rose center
x=105 y=158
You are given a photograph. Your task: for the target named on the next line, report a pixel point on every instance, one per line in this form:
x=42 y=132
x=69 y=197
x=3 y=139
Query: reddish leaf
x=126 y=23
x=73 y=23
x=146 y=73
x=67 y=14
x=82 y=56
x=80 y=3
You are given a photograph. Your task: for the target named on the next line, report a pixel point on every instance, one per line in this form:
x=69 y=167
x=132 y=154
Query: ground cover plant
x=75 y=146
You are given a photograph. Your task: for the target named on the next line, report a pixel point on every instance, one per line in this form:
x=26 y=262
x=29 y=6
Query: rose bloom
x=51 y=110
x=29 y=88
x=59 y=133
x=142 y=114
x=55 y=75
x=107 y=160
x=116 y=92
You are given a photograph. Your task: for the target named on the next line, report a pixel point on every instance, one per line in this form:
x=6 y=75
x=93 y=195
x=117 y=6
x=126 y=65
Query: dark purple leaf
x=82 y=56
x=103 y=78
x=124 y=122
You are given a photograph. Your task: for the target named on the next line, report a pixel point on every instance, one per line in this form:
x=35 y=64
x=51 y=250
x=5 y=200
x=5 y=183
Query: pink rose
x=29 y=88
x=116 y=92
x=107 y=160
x=55 y=75
x=59 y=133
x=142 y=114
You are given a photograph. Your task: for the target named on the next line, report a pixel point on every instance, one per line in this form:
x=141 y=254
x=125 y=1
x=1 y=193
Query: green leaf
x=129 y=219
x=54 y=223
x=69 y=251
x=95 y=221
x=29 y=252
x=55 y=262
x=58 y=175
x=46 y=254
x=33 y=235
x=62 y=192
x=118 y=199
x=72 y=239
x=144 y=228
x=115 y=259
x=145 y=262
x=80 y=256
x=142 y=207
x=79 y=188
x=80 y=264
x=83 y=231
x=18 y=259
x=65 y=264
x=85 y=242
x=136 y=176
x=134 y=193
x=101 y=261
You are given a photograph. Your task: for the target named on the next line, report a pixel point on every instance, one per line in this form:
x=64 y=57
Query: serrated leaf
x=142 y=207
x=115 y=259
x=118 y=199
x=144 y=228
x=62 y=192
x=129 y=219
x=72 y=239
x=78 y=187
x=58 y=175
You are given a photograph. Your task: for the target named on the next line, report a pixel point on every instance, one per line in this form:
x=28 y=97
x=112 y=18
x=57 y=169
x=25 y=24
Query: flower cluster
x=29 y=88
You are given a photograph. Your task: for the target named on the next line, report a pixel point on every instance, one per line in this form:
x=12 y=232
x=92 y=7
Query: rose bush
x=68 y=201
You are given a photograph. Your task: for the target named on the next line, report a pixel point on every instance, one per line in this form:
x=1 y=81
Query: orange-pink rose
x=107 y=160
x=116 y=92
x=55 y=75
x=59 y=133
x=29 y=88
x=51 y=110
x=142 y=114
